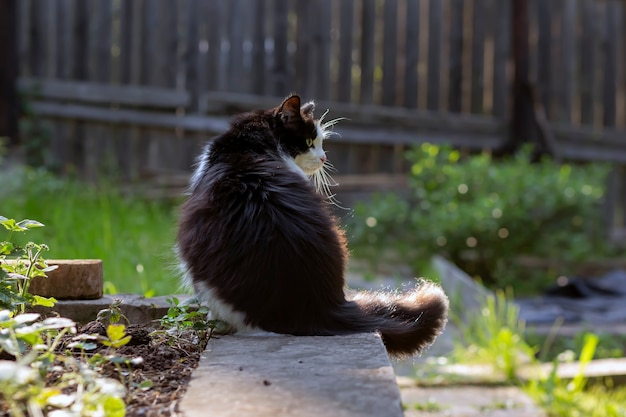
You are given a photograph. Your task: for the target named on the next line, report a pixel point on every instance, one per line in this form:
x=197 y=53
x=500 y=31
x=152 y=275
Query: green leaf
x=25 y=318
x=49 y=268
x=38 y=300
x=6 y=248
x=116 y=334
x=12 y=226
x=120 y=360
x=57 y=323
x=145 y=385
x=116 y=331
x=114 y=407
x=29 y=224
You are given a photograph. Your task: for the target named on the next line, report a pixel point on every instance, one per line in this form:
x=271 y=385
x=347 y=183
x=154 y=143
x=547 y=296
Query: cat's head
x=300 y=134
x=302 y=137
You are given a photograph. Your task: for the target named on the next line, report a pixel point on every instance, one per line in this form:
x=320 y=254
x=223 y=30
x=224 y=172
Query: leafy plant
x=573 y=398
x=33 y=343
x=181 y=317
x=112 y=315
x=18 y=266
x=495 y=336
x=483 y=214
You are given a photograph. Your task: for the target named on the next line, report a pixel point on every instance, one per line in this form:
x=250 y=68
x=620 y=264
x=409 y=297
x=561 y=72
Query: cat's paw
x=220 y=327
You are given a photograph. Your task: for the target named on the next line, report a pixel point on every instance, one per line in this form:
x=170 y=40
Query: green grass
x=497 y=337
x=133 y=237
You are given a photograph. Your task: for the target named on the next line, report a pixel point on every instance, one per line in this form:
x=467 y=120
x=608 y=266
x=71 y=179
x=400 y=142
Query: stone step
x=297 y=376
x=466 y=400
x=136 y=308
x=599 y=371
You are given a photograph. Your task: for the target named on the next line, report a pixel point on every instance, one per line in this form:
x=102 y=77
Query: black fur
x=256 y=232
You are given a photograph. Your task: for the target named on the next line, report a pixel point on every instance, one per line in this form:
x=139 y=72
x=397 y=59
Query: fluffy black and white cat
x=261 y=248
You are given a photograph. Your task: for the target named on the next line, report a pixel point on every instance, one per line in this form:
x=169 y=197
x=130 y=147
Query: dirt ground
x=167 y=362
x=156 y=371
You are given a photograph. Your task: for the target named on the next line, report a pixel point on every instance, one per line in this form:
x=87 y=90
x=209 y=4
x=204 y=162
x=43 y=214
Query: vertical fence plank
x=479 y=21
x=259 y=64
x=165 y=147
x=100 y=154
x=435 y=30
x=522 y=111
x=165 y=51
x=411 y=51
x=390 y=52
x=567 y=61
x=101 y=49
x=213 y=13
x=235 y=40
x=455 y=59
x=304 y=52
x=587 y=61
x=64 y=36
x=622 y=79
x=81 y=46
x=192 y=52
x=148 y=21
x=79 y=72
x=346 y=37
x=544 y=54
x=127 y=27
x=131 y=142
x=38 y=55
x=501 y=56
x=50 y=34
x=23 y=24
x=60 y=131
x=610 y=64
x=8 y=72
x=321 y=16
x=368 y=28
x=280 y=70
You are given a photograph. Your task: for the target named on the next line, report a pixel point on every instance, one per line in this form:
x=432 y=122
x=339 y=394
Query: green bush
x=483 y=213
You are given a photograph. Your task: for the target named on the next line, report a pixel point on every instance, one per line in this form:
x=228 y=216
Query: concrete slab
x=136 y=308
x=278 y=375
x=468 y=401
x=465 y=294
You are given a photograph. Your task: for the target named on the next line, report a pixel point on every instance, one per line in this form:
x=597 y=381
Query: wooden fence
x=134 y=87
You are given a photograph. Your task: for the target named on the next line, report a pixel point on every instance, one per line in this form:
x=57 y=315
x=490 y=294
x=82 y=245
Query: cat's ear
x=308 y=108
x=290 y=108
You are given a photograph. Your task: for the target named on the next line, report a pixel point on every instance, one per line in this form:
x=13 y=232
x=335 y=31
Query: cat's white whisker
x=326 y=126
x=323 y=182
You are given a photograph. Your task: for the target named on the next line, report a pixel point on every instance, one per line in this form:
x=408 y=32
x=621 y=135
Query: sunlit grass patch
x=134 y=237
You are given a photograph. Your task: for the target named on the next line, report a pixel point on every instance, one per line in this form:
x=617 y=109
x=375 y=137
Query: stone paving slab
x=467 y=401
x=296 y=376
x=136 y=308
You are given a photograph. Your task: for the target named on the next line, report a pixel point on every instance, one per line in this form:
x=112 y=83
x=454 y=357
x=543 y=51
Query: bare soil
x=156 y=366
x=167 y=362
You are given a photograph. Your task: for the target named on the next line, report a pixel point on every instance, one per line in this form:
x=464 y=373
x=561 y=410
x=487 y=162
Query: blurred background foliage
x=487 y=215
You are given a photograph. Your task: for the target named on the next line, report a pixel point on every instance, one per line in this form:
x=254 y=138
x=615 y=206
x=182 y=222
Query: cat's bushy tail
x=408 y=322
